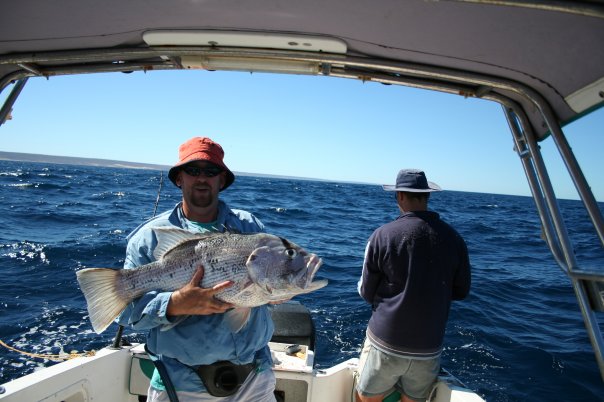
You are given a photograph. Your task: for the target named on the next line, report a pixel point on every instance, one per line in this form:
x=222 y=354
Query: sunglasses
x=208 y=171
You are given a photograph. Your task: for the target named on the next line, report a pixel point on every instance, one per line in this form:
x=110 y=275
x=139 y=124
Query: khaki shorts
x=381 y=373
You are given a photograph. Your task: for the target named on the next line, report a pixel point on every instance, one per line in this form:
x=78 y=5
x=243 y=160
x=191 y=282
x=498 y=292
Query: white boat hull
x=123 y=375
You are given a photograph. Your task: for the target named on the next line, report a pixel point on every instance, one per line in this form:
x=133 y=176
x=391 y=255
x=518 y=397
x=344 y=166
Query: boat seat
x=293 y=324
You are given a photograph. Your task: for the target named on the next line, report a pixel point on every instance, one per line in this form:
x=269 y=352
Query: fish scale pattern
x=223 y=257
x=261 y=267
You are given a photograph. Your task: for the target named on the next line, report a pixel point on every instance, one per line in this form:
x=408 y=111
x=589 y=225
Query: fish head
x=283 y=269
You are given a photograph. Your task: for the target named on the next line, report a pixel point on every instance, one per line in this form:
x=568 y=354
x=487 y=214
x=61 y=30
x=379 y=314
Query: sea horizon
x=74 y=160
x=100 y=162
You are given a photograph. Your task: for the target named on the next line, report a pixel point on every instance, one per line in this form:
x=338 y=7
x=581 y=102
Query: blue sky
x=303 y=126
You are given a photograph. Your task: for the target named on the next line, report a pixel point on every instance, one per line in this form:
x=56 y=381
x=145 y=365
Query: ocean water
x=519 y=336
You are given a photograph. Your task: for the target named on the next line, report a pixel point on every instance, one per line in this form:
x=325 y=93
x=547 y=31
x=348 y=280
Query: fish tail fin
x=100 y=288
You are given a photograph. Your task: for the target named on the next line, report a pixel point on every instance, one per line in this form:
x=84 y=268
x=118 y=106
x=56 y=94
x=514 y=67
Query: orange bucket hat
x=201 y=149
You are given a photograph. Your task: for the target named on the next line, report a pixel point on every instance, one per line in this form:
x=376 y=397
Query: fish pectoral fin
x=237 y=318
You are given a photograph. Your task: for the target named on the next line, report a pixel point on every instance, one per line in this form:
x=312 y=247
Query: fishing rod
x=117 y=341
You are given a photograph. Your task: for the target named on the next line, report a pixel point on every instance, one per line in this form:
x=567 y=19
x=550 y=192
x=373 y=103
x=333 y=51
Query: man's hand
x=192 y=299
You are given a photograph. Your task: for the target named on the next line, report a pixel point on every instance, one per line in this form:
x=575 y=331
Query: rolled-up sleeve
x=148 y=311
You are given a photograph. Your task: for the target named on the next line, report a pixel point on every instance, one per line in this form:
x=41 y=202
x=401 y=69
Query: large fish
x=262 y=267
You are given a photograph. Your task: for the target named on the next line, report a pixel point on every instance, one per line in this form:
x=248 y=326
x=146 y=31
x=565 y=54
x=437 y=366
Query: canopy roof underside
x=524 y=51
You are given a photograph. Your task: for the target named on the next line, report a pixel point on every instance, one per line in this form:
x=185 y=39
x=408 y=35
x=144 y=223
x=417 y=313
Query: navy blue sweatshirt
x=414 y=267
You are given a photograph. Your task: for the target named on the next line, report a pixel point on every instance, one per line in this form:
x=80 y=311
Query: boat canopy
x=543 y=61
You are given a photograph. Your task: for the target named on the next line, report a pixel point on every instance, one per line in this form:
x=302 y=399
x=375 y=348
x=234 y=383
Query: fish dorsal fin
x=169 y=237
x=230 y=230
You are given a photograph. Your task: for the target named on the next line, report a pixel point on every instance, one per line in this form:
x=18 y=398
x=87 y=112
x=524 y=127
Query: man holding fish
x=201 y=295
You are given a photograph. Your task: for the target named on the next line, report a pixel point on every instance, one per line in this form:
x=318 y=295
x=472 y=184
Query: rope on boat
x=61 y=357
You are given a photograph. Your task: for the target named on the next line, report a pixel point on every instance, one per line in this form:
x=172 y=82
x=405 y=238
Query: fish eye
x=291 y=253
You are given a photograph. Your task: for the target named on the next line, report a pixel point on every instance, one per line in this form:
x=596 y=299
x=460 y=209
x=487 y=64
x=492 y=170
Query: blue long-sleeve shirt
x=413 y=268
x=197 y=339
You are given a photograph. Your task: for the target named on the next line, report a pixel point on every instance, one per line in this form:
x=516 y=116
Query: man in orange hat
x=200 y=337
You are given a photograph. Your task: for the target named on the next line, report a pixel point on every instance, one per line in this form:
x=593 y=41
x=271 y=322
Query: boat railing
x=587 y=285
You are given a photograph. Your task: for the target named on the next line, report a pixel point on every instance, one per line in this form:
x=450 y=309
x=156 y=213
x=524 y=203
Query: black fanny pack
x=223 y=378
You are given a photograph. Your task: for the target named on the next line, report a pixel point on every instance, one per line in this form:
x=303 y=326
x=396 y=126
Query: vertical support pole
x=560 y=244
x=10 y=100
x=579 y=180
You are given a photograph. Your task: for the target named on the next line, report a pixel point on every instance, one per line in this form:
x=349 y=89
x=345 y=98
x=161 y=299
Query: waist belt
x=223 y=378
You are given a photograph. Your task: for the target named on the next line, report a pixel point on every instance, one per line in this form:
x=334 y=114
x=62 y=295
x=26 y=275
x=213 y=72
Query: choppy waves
x=519 y=335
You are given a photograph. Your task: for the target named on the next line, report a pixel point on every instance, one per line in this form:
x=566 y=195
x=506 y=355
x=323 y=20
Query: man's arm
x=463 y=275
x=370 y=277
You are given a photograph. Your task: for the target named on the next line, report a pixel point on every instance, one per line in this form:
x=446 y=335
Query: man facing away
x=186 y=328
x=413 y=268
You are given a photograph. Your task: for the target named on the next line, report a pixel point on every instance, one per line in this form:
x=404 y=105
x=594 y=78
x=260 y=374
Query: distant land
x=72 y=160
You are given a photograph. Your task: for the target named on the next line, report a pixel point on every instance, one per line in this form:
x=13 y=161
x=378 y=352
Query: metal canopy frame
x=588 y=285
